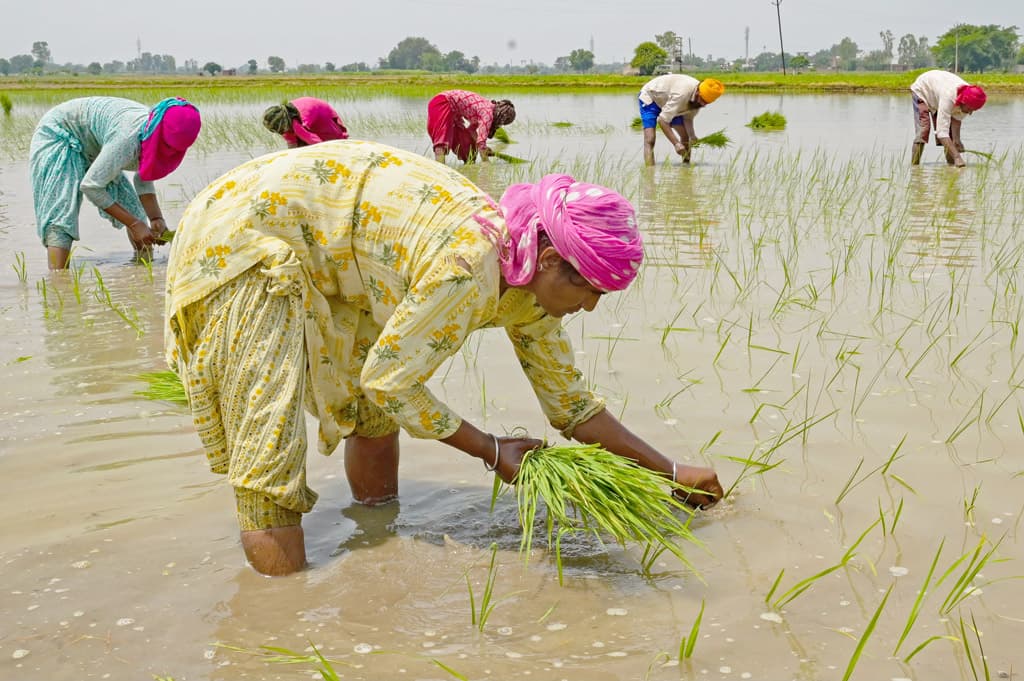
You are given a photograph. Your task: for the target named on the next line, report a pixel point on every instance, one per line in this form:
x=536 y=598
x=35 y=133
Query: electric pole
x=782 y=50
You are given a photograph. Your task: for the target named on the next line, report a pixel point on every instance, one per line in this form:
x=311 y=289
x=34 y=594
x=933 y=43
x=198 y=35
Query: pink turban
x=971 y=96
x=592 y=227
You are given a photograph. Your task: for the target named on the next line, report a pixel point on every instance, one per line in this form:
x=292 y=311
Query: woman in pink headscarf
x=344 y=276
x=304 y=121
x=942 y=100
x=83 y=147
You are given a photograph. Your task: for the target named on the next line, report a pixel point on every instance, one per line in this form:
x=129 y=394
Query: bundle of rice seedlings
x=6 y=104
x=562 y=124
x=985 y=155
x=769 y=120
x=637 y=123
x=508 y=158
x=587 y=489
x=163 y=386
x=716 y=140
x=167 y=236
x=502 y=136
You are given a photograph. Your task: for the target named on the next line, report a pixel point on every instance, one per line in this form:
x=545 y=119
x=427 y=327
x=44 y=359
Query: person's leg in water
x=371 y=465
x=922 y=128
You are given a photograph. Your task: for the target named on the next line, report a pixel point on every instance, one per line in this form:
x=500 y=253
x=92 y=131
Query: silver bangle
x=497 y=455
x=674 y=481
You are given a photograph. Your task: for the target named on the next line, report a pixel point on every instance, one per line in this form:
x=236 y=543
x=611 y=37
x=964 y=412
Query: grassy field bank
x=418 y=84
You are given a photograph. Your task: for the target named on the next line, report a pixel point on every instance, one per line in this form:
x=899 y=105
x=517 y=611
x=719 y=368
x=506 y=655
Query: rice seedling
x=586 y=489
x=502 y=136
x=487 y=602
x=19 y=266
x=922 y=593
x=866 y=635
x=6 y=104
x=689 y=641
x=852 y=482
x=163 y=386
x=969 y=654
x=451 y=672
x=278 y=655
x=769 y=120
x=129 y=314
x=562 y=124
x=806 y=583
x=964 y=586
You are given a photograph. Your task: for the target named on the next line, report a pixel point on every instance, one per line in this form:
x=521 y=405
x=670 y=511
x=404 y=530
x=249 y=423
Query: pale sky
x=344 y=31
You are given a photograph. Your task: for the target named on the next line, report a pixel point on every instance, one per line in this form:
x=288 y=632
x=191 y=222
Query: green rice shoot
x=769 y=120
x=6 y=104
x=985 y=155
x=163 y=386
x=587 y=489
x=562 y=124
x=508 y=158
x=716 y=140
x=502 y=136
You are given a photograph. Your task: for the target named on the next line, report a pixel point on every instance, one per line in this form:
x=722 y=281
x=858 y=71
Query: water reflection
x=940 y=218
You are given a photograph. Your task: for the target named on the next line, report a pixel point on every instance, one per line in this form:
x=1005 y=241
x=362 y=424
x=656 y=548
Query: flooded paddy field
x=837 y=333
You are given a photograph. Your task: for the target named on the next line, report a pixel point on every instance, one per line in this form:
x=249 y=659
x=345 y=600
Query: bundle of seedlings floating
x=562 y=124
x=163 y=386
x=769 y=120
x=585 y=489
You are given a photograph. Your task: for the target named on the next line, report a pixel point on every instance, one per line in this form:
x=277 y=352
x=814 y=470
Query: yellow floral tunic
x=393 y=272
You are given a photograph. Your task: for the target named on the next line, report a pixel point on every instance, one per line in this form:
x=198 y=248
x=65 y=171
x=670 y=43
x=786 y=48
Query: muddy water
x=808 y=300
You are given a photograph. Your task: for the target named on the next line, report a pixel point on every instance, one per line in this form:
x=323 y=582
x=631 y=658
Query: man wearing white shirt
x=942 y=100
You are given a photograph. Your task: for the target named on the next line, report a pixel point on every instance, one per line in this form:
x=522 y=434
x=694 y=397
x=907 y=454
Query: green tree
x=799 y=62
x=410 y=54
x=914 y=52
x=276 y=64
x=647 y=57
x=977 y=48
x=95 y=68
x=212 y=67
x=888 y=40
x=845 y=52
x=41 y=52
x=5 y=67
x=22 y=63
x=581 y=60
x=356 y=67
x=330 y=67
x=253 y=66
x=666 y=41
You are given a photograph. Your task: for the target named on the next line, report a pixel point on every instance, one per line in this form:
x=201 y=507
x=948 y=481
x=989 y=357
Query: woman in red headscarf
x=340 y=277
x=83 y=146
x=941 y=101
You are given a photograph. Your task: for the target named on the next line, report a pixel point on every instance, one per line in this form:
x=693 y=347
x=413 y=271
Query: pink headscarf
x=971 y=96
x=591 y=227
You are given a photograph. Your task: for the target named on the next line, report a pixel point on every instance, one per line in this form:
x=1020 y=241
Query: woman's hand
x=511 y=451
x=141 y=235
x=698 y=478
x=158 y=226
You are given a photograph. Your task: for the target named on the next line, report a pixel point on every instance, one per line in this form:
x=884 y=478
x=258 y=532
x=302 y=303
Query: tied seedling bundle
x=586 y=489
x=163 y=386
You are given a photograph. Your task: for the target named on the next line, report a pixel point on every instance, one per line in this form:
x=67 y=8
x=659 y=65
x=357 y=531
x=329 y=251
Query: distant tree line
x=964 y=47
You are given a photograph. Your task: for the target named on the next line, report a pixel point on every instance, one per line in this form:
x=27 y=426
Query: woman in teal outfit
x=83 y=146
